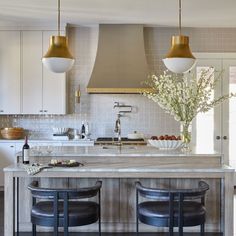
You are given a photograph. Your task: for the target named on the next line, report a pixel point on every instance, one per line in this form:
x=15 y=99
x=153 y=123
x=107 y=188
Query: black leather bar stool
x=57 y=209
x=172 y=207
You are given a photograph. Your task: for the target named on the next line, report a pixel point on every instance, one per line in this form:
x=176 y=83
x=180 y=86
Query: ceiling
x=195 y=13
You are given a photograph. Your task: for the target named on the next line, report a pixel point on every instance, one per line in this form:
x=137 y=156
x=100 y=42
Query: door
x=54 y=85
x=217 y=128
x=207 y=126
x=32 y=72
x=229 y=112
x=10 y=72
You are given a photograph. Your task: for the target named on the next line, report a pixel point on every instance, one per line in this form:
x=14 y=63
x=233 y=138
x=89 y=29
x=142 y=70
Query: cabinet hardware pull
x=11 y=146
x=40 y=110
x=217 y=137
x=1 y=111
x=225 y=137
x=45 y=110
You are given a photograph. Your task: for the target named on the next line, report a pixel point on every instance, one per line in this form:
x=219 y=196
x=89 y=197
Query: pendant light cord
x=59 y=18
x=180 y=17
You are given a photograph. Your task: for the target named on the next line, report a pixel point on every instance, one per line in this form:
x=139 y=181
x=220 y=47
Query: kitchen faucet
x=118 y=128
x=123 y=109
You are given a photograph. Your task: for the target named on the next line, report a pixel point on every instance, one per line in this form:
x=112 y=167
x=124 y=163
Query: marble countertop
x=109 y=150
x=118 y=167
x=129 y=161
x=48 y=140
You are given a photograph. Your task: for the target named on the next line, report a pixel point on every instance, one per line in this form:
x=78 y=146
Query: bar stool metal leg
x=33 y=229
x=99 y=214
x=137 y=229
x=202 y=229
x=17 y=206
x=55 y=210
x=180 y=217
x=171 y=214
x=66 y=214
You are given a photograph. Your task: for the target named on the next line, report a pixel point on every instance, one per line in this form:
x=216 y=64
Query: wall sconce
x=77 y=95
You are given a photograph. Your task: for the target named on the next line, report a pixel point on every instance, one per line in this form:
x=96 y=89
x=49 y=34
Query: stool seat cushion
x=79 y=213
x=157 y=213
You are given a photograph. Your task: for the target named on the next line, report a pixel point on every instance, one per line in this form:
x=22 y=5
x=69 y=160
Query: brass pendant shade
x=58 y=48
x=58 y=57
x=179 y=59
x=180 y=47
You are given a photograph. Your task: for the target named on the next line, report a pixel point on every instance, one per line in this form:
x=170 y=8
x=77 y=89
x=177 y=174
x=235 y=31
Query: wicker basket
x=12 y=133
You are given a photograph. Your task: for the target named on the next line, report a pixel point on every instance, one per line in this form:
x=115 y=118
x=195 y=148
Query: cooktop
x=116 y=139
x=124 y=141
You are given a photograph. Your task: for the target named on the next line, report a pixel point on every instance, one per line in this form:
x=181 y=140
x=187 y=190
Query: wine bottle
x=25 y=151
x=83 y=131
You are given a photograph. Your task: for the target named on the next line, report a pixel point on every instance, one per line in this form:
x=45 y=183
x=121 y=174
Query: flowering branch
x=185 y=96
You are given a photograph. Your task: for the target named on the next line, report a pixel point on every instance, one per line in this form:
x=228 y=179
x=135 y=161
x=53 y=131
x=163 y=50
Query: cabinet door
x=7 y=157
x=54 y=85
x=31 y=72
x=9 y=72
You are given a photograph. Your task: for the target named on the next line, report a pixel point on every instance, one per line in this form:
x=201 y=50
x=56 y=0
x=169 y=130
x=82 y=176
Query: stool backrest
x=164 y=194
x=50 y=193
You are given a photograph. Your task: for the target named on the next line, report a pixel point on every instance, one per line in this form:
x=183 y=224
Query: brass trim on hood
x=118 y=90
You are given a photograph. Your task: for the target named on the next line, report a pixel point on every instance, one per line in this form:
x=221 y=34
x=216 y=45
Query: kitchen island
x=119 y=168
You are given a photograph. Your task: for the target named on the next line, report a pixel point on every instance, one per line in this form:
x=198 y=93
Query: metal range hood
x=120 y=65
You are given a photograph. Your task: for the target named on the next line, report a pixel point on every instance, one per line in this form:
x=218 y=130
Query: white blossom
x=184 y=96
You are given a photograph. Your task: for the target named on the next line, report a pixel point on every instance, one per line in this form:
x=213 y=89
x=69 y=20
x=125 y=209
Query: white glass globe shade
x=58 y=64
x=179 y=64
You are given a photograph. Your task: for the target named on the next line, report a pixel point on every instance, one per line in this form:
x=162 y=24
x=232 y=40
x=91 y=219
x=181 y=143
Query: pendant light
x=58 y=57
x=179 y=59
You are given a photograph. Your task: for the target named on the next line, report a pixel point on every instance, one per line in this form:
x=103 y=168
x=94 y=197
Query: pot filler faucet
x=118 y=127
x=125 y=109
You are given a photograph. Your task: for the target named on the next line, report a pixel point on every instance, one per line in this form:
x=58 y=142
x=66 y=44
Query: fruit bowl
x=165 y=144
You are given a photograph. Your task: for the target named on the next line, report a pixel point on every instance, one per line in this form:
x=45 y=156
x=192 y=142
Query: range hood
x=120 y=65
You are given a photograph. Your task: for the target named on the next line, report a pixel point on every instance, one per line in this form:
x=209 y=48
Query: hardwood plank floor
x=86 y=234
x=118 y=234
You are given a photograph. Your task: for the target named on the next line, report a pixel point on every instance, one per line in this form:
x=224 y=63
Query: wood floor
x=119 y=234
x=86 y=234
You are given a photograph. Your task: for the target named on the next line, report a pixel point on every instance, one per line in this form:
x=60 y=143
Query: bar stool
x=171 y=207
x=59 y=211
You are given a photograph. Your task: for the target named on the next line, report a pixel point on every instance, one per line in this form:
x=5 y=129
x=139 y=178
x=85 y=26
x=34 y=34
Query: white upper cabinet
x=10 y=72
x=54 y=85
x=26 y=87
x=32 y=84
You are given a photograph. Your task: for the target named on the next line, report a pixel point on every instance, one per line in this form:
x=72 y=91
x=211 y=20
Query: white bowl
x=59 y=130
x=165 y=144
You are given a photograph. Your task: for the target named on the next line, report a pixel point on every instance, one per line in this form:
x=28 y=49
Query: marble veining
x=110 y=150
